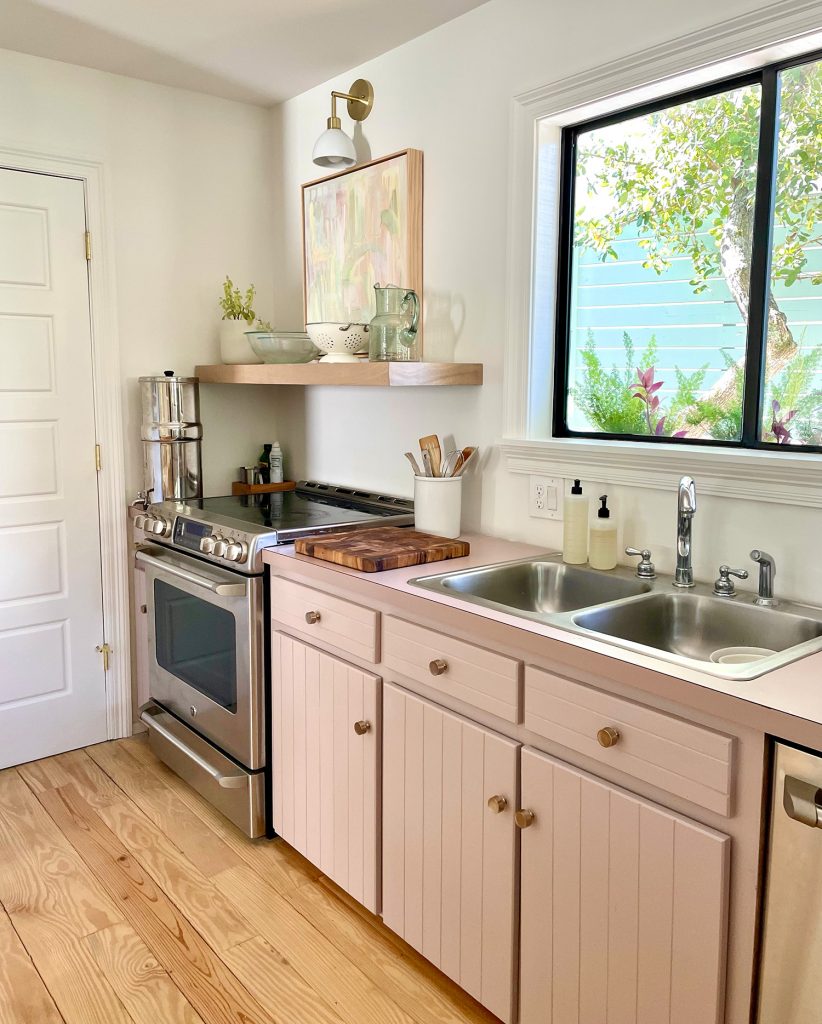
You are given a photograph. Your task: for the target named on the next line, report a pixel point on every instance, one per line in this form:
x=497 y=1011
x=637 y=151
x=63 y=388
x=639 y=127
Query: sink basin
x=536 y=586
x=695 y=626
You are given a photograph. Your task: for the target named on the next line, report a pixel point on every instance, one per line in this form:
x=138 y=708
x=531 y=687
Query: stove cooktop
x=236 y=529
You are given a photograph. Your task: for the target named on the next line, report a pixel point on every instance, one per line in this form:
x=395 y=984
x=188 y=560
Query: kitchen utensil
x=339 y=341
x=431 y=444
x=438 y=505
x=467 y=455
x=393 y=334
x=414 y=464
x=283 y=346
x=426 y=461
x=380 y=548
x=450 y=462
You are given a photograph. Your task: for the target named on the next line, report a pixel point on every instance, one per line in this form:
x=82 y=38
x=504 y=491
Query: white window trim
x=732 y=46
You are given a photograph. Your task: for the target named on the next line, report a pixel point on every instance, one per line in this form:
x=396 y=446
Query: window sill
x=782 y=478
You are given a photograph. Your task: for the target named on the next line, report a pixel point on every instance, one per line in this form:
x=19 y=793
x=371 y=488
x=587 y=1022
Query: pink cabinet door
x=326 y=740
x=623 y=906
x=449 y=860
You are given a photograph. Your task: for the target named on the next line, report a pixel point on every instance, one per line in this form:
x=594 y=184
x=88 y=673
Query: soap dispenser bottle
x=575 y=527
x=603 y=546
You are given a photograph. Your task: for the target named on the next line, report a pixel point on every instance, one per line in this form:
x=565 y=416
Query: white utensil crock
x=438 y=505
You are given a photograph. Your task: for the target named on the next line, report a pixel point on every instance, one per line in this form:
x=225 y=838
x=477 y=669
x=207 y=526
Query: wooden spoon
x=431 y=444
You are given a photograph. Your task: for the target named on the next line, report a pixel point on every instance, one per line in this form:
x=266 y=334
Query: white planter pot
x=234 y=346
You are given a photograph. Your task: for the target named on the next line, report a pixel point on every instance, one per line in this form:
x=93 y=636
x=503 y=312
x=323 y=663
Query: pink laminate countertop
x=794 y=690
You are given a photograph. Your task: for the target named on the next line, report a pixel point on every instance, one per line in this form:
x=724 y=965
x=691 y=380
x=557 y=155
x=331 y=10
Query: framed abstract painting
x=360 y=227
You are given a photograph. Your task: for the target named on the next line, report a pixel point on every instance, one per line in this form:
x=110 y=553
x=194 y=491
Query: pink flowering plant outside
x=645 y=390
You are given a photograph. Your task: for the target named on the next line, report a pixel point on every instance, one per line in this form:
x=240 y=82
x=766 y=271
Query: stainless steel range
x=206 y=629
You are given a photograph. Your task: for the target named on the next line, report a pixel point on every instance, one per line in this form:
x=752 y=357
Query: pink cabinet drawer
x=325 y=619
x=686 y=760
x=487 y=680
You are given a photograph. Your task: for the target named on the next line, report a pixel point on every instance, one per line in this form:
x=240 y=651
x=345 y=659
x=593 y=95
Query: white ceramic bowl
x=339 y=341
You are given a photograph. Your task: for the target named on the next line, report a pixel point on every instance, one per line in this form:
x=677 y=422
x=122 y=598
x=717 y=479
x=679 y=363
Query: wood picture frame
x=344 y=222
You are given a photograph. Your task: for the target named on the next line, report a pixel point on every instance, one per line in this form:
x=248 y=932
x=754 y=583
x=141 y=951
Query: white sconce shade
x=334 y=149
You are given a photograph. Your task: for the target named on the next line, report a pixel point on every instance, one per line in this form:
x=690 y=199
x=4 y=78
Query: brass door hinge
x=88 y=244
x=105 y=650
x=98 y=457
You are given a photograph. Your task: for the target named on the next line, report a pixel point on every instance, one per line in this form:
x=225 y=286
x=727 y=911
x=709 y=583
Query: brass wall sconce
x=334 y=148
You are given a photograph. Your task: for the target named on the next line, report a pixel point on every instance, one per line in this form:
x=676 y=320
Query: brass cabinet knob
x=312 y=617
x=608 y=737
x=361 y=728
x=497 y=803
x=524 y=818
x=437 y=667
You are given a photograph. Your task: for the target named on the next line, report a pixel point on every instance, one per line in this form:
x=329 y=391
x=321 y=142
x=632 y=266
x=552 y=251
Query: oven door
x=205 y=650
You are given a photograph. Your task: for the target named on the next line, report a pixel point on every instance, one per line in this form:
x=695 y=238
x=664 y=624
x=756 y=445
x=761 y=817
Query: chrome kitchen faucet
x=685 y=510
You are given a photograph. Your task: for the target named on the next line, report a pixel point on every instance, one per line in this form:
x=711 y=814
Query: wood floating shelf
x=361 y=374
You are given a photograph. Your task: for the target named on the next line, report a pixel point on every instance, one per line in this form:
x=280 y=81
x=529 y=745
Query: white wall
x=191 y=199
x=448 y=93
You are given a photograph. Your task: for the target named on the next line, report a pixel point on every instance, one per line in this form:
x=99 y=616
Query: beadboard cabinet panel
x=325 y=778
x=623 y=905
x=449 y=861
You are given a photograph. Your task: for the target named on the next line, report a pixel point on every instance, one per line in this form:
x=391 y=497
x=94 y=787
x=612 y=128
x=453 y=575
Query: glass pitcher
x=393 y=331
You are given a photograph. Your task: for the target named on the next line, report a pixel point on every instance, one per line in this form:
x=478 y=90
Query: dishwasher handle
x=181 y=572
x=802 y=801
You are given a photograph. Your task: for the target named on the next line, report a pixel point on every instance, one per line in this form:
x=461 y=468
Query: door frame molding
x=108 y=415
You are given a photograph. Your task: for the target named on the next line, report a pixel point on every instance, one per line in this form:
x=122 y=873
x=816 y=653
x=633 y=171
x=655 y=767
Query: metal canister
x=172 y=434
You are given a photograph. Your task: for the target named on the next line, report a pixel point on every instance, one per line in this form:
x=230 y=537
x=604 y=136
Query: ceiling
x=261 y=51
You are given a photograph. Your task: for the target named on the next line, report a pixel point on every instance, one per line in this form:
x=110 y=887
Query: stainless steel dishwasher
x=790 y=978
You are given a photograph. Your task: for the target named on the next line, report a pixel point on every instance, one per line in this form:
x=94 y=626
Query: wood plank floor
x=126 y=899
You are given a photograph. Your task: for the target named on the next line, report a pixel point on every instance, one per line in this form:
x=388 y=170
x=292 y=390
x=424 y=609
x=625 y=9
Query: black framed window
x=689 y=302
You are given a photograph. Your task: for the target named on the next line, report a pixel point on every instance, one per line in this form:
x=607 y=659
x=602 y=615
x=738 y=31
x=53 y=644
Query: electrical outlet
x=545 y=497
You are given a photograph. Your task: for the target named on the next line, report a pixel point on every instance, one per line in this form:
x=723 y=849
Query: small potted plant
x=238 y=317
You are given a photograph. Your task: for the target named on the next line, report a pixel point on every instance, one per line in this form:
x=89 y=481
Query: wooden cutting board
x=381 y=547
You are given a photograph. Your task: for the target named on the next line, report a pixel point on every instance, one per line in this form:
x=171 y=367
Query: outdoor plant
x=235 y=305
x=627 y=401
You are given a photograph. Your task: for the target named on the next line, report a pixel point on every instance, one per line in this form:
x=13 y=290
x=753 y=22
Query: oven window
x=197 y=642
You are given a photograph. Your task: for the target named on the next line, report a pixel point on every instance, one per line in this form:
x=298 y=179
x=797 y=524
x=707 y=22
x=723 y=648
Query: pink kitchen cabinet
x=449 y=856
x=623 y=905
x=326 y=742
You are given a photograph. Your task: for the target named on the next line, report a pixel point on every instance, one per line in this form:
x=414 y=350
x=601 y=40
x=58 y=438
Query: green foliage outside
x=685 y=178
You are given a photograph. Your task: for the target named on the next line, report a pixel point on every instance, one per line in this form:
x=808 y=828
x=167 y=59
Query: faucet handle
x=645 y=569
x=724 y=586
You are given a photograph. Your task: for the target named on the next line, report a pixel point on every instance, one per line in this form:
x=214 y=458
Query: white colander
x=339 y=341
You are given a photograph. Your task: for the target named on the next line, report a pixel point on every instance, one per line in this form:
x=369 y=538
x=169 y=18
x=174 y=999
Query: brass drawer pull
x=437 y=667
x=608 y=737
x=497 y=803
x=312 y=617
x=361 y=728
x=524 y=818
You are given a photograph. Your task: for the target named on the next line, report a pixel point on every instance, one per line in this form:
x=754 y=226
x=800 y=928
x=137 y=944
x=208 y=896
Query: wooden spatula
x=431 y=444
x=467 y=455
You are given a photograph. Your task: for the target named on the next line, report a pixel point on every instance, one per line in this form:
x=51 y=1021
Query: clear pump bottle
x=575 y=527
x=603 y=544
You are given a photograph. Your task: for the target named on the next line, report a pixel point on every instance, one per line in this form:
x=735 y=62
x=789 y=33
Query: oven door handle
x=226 y=781
x=175 y=569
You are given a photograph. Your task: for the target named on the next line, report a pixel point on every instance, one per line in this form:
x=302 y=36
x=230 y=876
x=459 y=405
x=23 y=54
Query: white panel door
x=52 y=685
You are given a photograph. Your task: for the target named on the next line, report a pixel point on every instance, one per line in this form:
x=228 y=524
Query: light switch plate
x=545 y=494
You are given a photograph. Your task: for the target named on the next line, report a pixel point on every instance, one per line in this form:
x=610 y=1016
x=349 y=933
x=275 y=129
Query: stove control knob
x=161 y=526
x=140 y=522
x=207 y=545
x=220 y=547
x=236 y=551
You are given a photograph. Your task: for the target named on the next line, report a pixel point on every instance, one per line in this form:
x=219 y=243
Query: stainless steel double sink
x=688 y=627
